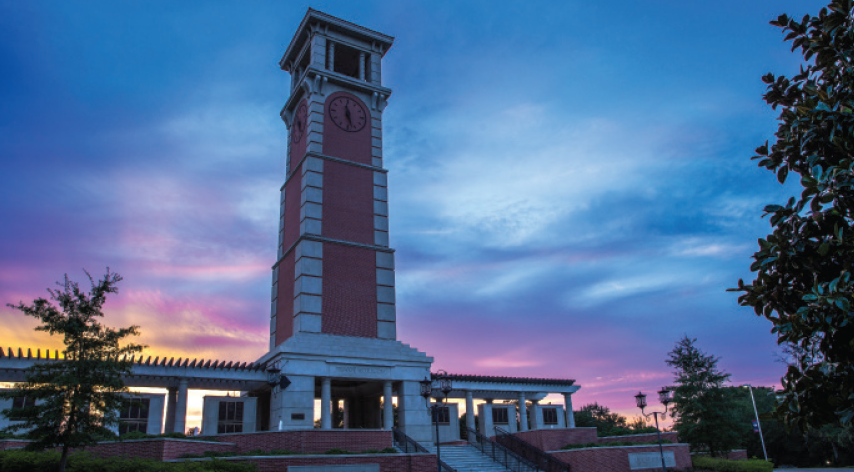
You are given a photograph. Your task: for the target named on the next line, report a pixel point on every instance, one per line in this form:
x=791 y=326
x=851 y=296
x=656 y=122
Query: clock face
x=348 y=114
x=299 y=123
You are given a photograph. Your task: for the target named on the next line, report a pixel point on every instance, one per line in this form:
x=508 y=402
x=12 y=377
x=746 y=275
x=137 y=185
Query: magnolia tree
x=803 y=268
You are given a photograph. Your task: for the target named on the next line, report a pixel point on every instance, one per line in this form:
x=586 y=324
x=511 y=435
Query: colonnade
x=328 y=406
x=523 y=410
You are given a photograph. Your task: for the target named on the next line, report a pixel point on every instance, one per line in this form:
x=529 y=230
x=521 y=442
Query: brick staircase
x=466 y=458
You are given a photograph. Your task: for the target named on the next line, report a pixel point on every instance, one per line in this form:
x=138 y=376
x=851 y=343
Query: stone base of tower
x=354 y=378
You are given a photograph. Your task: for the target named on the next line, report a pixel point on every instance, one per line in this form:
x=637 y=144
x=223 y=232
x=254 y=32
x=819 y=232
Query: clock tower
x=334 y=272
x=333 y=318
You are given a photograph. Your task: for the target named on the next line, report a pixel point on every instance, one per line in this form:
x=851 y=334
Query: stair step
x=467 y=459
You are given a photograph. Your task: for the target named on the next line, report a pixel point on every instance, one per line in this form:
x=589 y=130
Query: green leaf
x=782 y=173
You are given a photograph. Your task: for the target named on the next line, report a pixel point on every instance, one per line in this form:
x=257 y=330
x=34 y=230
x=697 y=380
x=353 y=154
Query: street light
x=664 y=396
x=444 y=384
x=758 y=425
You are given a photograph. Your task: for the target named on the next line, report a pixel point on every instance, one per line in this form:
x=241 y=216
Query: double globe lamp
x=444 y=384
x=665 y=397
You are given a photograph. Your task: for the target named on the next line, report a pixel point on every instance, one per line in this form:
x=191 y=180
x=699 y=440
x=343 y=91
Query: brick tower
x=333 y=317
x=334 y=272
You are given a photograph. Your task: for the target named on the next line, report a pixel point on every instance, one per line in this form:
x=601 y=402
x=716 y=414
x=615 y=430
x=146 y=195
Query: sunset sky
x=571 y=189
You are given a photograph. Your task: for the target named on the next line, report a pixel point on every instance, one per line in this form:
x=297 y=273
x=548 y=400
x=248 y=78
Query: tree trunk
x=63 y=459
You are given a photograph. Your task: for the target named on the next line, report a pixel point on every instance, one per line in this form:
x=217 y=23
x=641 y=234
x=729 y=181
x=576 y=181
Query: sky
x=571 y=190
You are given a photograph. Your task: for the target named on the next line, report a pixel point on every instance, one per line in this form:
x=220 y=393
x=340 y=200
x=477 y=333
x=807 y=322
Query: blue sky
x=570 y=182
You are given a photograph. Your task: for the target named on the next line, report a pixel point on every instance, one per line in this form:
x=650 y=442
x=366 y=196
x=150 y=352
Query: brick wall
x=616 y=459
x=387 y=462
x=353 y=146
x=285 y=300
x=310 y=441
x=158 y=448
x=739 y=455
x=12 y=443
x=348 y=203
x=554 y=439
x=292 y=207
x=349 y=291
x=652 y=437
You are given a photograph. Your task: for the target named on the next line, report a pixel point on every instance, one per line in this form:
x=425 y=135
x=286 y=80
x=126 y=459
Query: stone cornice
x=335 y=23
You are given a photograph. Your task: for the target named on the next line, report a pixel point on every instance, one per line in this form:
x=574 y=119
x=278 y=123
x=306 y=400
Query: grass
x=703 y=463
x=48 y=461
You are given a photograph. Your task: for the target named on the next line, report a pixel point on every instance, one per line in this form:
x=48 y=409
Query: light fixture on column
x=275 y=378
x=426 y=389
x=444 y=383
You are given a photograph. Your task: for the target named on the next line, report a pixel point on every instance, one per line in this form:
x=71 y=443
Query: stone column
x=470 y=410
x=181 y=408
x=361 y=66
x=536 y=416
x=414 y=416
x=325 y=403
x=570 y=416
x=336 y=410
x=171 y=399
x=523 y=412
x=348 y=404
x=388 y=407
x=293 y=406
x=331 y=57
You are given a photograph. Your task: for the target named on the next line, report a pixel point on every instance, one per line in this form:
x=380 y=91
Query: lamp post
x=758 y=425
x=444 y=383
x=665 y=399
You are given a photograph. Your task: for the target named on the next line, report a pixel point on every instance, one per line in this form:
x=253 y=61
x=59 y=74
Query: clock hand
x=347 y=113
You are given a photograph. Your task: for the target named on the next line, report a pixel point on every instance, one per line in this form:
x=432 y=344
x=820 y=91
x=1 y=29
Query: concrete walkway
x=849 y=469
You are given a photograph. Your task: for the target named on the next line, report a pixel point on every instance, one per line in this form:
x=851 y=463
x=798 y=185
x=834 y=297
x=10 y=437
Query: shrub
x=625 y=431
x=388 y=450
x=255 y=452
x=25 y=461
x=725 y=465
x=336 y=450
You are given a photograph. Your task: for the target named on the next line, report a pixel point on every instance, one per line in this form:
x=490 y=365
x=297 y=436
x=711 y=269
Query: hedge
x=614 y=444
x=48 y=461
x=724 y=465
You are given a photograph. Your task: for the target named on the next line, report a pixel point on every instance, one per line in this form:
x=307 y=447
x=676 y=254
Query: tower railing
x=499 y=453
x=543 y=461
x=411 y=446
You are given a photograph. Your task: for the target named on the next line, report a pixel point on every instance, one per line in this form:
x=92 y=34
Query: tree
x=703 y=412
x=598 y=416
x=639 y=423
x=803 y=268
x=76 y=398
